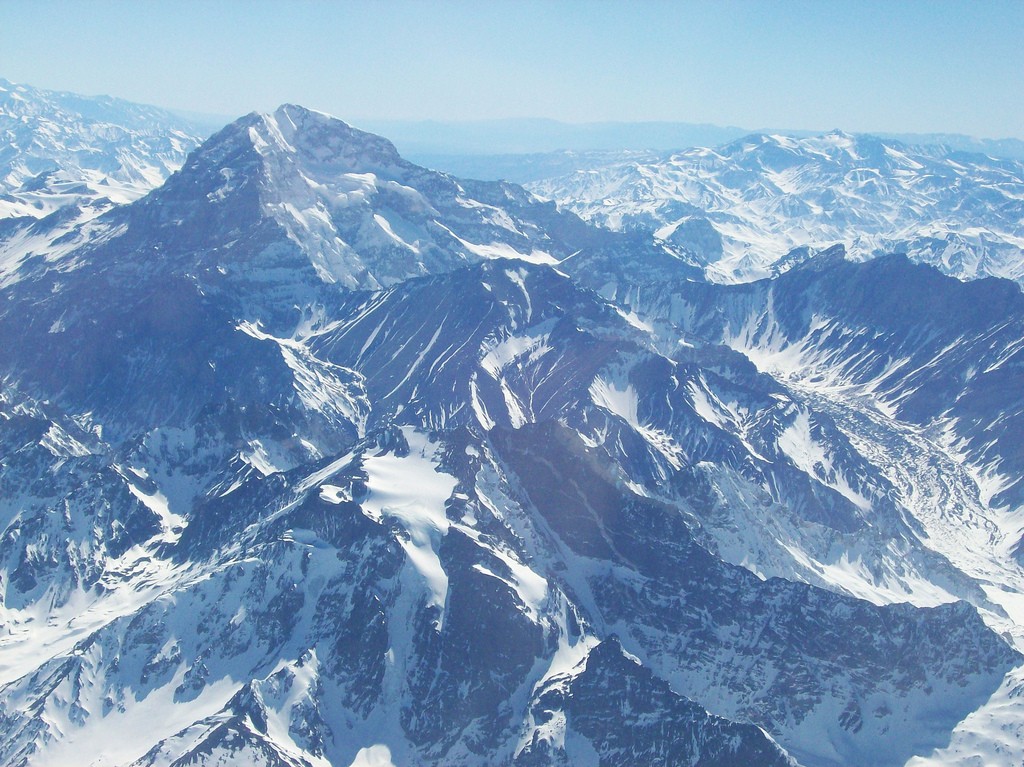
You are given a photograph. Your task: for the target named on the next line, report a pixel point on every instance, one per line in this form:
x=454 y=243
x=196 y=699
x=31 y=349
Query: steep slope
x=924 y=349
x=609 y=685
x=754 y=205
x=918 y=371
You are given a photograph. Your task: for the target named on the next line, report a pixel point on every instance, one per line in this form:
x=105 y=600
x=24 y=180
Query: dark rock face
x=331 y=482
x=930 y=348
x=791 y=646
x=654 y=725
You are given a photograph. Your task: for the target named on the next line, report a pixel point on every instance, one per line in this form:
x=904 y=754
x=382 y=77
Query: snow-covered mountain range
x=754 y=206
x=312 y=456
x=59 y=149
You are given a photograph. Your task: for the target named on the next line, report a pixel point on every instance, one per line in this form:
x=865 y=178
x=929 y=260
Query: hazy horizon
x=871 y=67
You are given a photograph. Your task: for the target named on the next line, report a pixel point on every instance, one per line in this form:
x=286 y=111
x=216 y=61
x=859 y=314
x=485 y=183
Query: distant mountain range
x=764 y=202
x=58 y=149
x=484 y=140
x=314 y=457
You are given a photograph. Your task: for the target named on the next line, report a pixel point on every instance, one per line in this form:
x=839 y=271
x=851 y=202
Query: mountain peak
x=295 y=188
x=839 y=133
x=320 y=140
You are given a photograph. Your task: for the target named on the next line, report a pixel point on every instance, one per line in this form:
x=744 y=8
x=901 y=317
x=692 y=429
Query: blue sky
x=909 y=66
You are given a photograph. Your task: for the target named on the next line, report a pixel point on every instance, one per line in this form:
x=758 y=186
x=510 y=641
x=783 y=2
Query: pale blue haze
x=861 y=66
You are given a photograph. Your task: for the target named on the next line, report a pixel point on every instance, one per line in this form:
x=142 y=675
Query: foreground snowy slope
x=754 y=206
x=313 y=456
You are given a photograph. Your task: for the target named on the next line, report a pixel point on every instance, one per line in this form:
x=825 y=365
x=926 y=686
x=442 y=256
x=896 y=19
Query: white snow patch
x=386 y=227
x=259 y=457
x=503 y=250
x=615 y=398
x=479 y=409
x=334 y=494
x=412 y=491
x=810 y=456
x=62 y=444
x=533 y=346
x=622 y=400
x=377 y=755
x=634 y=319
x=171 y=524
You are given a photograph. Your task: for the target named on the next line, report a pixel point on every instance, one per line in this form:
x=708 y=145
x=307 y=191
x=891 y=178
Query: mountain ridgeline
x=753 y=207
x=311 y=456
